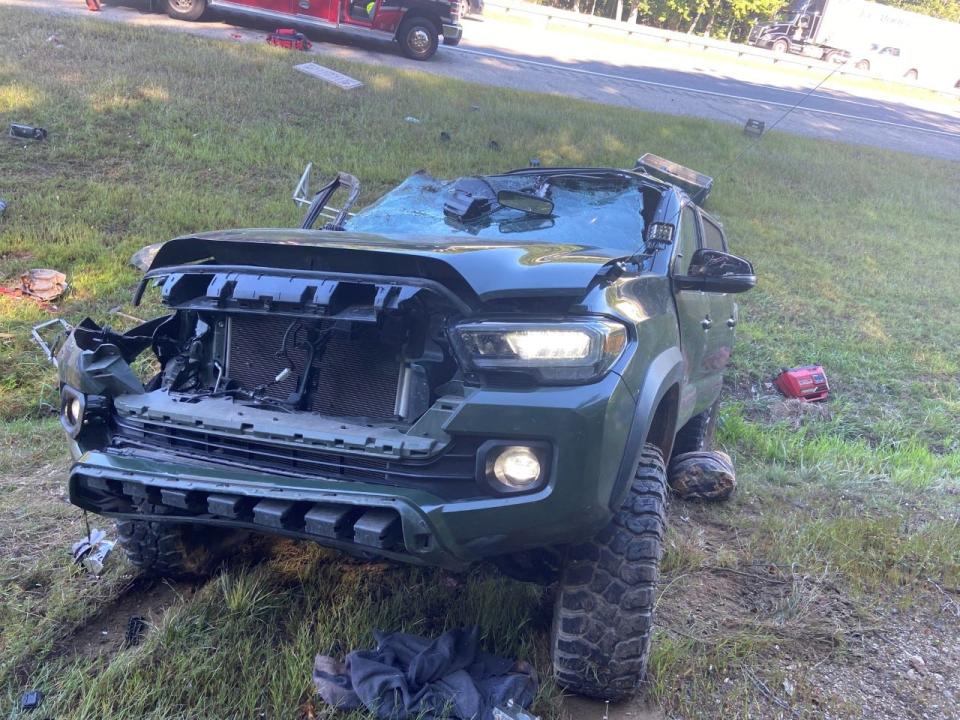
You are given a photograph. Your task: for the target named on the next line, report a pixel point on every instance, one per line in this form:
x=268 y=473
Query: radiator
x=357 y=376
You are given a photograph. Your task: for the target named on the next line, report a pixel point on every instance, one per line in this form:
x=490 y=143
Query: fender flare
x=664 y=372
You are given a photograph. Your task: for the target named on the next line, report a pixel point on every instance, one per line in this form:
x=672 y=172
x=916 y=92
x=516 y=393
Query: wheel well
x=663 y=427
x=418 y=13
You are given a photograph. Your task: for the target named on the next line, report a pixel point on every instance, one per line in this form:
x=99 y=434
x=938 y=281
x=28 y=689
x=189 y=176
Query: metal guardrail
x=678 y=39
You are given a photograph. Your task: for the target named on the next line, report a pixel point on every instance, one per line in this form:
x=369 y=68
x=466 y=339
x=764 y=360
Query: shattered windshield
x=608 y=211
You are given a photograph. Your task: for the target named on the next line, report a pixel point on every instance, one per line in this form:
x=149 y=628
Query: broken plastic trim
x=437 y=287
x=318 y=204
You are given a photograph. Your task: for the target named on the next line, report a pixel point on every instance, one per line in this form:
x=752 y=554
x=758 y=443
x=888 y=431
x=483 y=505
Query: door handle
x=731 y=323
x=706 y=323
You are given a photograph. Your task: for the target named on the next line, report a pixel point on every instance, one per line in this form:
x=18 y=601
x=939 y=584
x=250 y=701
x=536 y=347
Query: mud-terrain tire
x=702 y=475
x=603 y=617
x=699 y=431
x=174 y=550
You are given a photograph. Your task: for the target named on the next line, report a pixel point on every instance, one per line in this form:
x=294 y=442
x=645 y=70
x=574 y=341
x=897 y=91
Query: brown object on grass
x=702 y=475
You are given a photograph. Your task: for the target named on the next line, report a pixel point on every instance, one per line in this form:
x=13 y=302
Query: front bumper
x=586 y=426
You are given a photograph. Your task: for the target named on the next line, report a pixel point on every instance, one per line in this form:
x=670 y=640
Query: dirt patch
x=105 y=633
x=788 y=644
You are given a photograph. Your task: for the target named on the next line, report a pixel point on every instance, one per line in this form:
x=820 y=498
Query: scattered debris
x=43 y=284
x=27 y=132
x=93 y=5
x=407 y=677
x=412 y=119
x=119 y=313
x=534 y=162
x=494 y=145
x=30 y=700
x=55 y=39
x=3 y=206
x=143 y=258
x=289 y=39
x=788 y=687
x=331 y=76
x=754 y=128
x=445 y=136
x=92 y=551
x=702 y=475
x=512 y=712
x=474 y=108
x=807 y=383
x=136 y=628
x=236 y=36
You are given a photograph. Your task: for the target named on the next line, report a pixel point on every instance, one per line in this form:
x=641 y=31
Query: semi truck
x=868 y=36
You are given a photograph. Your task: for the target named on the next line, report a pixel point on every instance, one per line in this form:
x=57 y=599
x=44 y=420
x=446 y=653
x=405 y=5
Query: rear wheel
x=603 y=617
x=176 y=550
x=186 y=9
x=418 y=38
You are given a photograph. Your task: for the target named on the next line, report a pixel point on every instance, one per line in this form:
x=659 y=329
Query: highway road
x=620 y=72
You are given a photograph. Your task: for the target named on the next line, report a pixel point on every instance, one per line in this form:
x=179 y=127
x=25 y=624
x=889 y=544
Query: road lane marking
x=729 y=96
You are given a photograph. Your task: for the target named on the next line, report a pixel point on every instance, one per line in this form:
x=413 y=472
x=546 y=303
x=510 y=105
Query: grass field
x=806 y=596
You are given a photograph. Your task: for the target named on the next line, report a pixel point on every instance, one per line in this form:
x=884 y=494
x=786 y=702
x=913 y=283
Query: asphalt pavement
x=593 y=67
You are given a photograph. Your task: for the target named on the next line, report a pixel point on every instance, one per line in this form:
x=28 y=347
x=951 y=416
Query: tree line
x=729 y=19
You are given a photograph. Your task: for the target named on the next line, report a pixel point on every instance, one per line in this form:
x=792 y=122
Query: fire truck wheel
x=418 y=38
x=186 y=9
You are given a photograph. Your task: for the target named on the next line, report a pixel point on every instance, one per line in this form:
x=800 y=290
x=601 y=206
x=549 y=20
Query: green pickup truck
x=492 y=368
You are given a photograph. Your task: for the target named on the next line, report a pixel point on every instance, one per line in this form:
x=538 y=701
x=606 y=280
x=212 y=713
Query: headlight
x=577 y=351
x=72 y=409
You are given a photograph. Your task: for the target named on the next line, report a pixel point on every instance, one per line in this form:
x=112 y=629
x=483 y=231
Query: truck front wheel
x=186 y=9
x=603 y=617
x=174 y=550
x=418 y=38
x=780 y=46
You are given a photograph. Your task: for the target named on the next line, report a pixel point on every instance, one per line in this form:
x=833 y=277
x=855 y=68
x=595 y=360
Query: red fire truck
x=417 y=25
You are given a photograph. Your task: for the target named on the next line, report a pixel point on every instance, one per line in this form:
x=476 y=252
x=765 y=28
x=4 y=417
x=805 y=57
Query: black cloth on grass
x=413 y=677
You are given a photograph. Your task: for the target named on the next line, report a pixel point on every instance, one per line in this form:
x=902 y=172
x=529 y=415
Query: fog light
x=517 y=467
x=73 y=411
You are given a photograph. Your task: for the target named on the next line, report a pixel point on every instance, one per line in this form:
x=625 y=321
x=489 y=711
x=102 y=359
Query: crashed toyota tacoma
x=492 y=368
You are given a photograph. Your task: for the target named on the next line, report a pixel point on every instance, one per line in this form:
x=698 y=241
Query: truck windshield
x=595 y=209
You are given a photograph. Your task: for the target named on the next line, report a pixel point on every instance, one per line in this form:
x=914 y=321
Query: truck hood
x=475 y=269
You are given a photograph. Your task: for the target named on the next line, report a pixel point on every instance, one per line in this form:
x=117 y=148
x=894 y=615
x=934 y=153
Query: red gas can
x=806 y=383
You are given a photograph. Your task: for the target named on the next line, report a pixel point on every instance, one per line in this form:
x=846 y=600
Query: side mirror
x=719 y=272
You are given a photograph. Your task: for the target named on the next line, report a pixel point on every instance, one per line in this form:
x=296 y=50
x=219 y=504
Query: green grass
x=155 y=134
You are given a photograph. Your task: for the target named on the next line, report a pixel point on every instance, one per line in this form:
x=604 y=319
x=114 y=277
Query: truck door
x=723 y=309
x=325 y=12
x=694 y=313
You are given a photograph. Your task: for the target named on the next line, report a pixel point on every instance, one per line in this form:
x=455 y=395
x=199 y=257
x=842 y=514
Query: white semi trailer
x=868 y=35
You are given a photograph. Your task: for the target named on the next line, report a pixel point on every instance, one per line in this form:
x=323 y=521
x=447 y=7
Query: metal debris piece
x=92 y=551
x=342 y=81
x=143 y=258
x=702 y=475
x=43 y=284
x=136 y=628
x=30 y=700
x=27 y=132
x=512 y=711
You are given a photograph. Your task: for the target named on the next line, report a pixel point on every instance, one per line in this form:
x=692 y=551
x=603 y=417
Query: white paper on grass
x=331 y=76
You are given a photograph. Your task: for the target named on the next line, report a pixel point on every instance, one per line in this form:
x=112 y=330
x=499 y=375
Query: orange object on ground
x=93 y=5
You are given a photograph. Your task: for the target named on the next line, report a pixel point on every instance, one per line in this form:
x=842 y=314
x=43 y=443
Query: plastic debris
x=136 y=627
x=534 y=162
x=445 y=136
x=30 y=700
x=43 y=284
x=92 y=551
x=474 y=108
x=412 y=119
x=494 y=145
x=344 y=82
x=143 y=258
x=27 y=132
x=3 y=206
